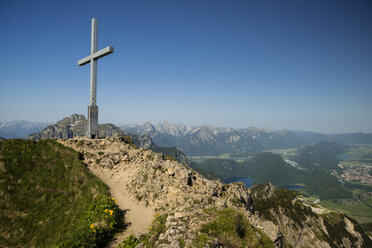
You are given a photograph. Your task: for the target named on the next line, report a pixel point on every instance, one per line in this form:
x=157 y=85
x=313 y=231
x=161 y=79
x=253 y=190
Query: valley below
x=351 y=177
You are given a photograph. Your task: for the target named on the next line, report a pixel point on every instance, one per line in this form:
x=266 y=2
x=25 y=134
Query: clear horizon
x=281 y=65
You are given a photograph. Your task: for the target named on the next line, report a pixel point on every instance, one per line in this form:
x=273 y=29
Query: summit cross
x=92 y=128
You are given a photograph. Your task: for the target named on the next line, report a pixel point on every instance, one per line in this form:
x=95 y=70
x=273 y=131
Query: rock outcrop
x=73 y=126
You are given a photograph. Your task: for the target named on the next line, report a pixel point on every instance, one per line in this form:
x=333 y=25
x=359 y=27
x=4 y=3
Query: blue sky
x=304 y=65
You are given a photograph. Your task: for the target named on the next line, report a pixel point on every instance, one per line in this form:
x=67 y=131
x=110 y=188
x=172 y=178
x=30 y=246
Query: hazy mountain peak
x=148 y=127
x=20 y=129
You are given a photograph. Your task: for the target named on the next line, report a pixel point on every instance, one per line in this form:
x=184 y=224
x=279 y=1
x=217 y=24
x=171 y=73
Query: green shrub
x=80 y=143
x=129 y=141
x=280 y=198
x=129 y=242
x=157 y=227
x=182 y=242
x=202 y=240
x=98 y=225
x=232 y=229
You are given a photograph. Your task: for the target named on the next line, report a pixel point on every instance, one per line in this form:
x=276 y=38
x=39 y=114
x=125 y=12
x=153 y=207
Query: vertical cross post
x=93 y=63
x=92 y=128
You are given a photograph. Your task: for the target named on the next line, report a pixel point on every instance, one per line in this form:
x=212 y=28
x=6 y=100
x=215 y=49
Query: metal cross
x=92 y=59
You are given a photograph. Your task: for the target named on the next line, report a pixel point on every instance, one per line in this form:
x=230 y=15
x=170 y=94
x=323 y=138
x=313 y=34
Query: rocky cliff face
x=195 y=212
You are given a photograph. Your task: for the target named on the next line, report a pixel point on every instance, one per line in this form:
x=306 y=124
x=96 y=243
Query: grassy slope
x=356 y=210
x=44 y=190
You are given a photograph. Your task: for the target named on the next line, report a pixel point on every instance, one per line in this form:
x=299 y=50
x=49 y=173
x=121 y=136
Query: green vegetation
x=321 y=155
x=129 y=140
x=182 y=242
x=285 y=153
x=98 y=225
x=336 y=229
x=200 y=159
x=356 y=210
x=325 y=186
x=170 y=158
x=232 y=229
x=367 y=227
x=280 y=199
x=157 y=227
x=269 y=167
x=48 y=196
x=225 y=168
x=202 y=240
x=80 y=143
x=360 y=153
x=265 y=167
x=130 y=242
x=170 y=153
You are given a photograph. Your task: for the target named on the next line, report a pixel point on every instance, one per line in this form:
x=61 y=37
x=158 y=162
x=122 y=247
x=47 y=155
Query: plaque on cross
x=92 y=128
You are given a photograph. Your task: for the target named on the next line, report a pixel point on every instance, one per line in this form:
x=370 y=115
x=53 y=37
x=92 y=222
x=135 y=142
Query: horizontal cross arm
x=101 y=53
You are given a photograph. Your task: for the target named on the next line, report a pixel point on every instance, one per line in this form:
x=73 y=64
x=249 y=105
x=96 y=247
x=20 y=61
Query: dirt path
x=137 y=218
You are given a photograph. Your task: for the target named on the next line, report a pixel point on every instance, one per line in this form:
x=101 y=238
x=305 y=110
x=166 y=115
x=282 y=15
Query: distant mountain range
x=20 y=129
x=193 y=140
x=207 y=140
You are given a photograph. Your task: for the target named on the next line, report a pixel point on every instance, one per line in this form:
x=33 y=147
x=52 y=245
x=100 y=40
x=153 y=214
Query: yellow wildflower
x=150 y=227
x=106 y=210
x=91 y=226
x=111 y=211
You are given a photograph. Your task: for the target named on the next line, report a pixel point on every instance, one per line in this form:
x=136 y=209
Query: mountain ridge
x=20 y=129
x=207 y=140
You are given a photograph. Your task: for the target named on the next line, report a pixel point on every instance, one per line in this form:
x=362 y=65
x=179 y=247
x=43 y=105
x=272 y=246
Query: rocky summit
x=170 y=205
x=76 y=126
